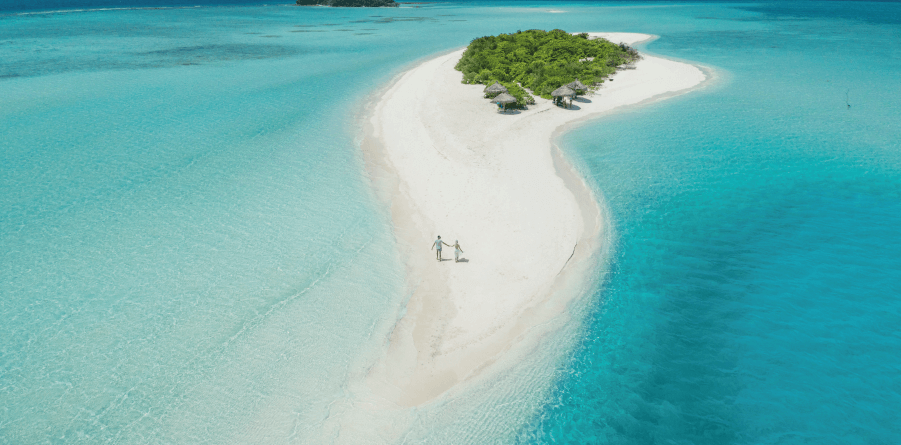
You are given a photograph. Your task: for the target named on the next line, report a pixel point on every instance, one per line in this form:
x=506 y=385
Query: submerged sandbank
x=449 y=164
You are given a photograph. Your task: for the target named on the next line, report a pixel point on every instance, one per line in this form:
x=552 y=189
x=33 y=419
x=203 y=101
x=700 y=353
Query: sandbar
x=448 y=163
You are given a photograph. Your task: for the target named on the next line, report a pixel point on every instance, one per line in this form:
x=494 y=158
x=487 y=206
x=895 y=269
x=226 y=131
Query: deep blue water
x=756 y=291
x=191 y=252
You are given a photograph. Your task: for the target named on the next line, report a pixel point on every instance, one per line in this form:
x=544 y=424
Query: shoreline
x=445 y=162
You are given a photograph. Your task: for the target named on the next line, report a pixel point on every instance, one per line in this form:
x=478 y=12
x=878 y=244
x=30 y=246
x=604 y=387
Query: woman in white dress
x=457 y=251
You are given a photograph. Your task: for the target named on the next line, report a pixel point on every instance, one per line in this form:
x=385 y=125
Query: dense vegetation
x=541 y=61
x=348 y=3
x=522 y=96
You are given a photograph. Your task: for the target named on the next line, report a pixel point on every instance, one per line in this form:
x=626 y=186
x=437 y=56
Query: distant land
x=349 y=3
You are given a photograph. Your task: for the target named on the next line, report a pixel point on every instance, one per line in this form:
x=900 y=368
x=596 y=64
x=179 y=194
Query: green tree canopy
x=541 y=61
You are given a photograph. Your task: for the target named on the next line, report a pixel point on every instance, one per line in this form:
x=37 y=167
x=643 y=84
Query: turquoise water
x=192 y=252
x=755 y=291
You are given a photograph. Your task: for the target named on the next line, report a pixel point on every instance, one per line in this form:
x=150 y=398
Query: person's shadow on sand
x=462 y=260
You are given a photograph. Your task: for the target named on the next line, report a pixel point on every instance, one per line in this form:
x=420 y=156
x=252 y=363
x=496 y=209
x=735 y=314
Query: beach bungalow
x=503 y=99
x=561 y=93
x=495 y=89
x=577 y=86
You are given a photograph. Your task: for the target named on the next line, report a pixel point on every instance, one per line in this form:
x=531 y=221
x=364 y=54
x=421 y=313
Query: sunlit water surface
x=192 y=252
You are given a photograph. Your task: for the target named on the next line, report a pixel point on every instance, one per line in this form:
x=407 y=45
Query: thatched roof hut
x=504 y=99
x=577 y=86
x=563 y=91
x=495 y=89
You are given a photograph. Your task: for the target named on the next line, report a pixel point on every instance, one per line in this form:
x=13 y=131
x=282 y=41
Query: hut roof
x=496 y=88
x=563 y=91
x=576 y=85
x=504 y=98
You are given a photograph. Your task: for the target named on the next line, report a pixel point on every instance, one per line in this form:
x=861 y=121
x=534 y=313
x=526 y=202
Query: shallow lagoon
x=191 y=249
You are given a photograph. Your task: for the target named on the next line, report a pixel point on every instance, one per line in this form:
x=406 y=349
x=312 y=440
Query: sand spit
x=449 y=164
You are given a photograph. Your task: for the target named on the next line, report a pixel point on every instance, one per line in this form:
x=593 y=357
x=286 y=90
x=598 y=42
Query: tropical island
x=542 y=61
x=446 y=164
x=350 y=3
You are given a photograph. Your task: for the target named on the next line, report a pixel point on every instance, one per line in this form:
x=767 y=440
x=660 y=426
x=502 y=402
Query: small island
x=447 y=164
x=541 y=61
x=350 y=3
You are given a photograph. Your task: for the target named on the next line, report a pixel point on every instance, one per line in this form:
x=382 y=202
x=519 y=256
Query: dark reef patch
x=405 y=19
x=161 y=58
x=217 y=51
x=349 y=3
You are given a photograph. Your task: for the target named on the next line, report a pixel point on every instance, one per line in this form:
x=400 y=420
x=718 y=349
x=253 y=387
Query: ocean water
x=755 y=294
x=191 y=251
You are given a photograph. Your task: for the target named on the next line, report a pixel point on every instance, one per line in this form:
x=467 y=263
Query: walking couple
x=456 y=246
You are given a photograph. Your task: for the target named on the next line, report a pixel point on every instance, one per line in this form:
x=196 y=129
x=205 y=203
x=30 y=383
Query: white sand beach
x=449 y=164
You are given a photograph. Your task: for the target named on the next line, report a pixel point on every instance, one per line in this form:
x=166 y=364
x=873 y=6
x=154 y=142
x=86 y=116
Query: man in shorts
x=438 y=244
